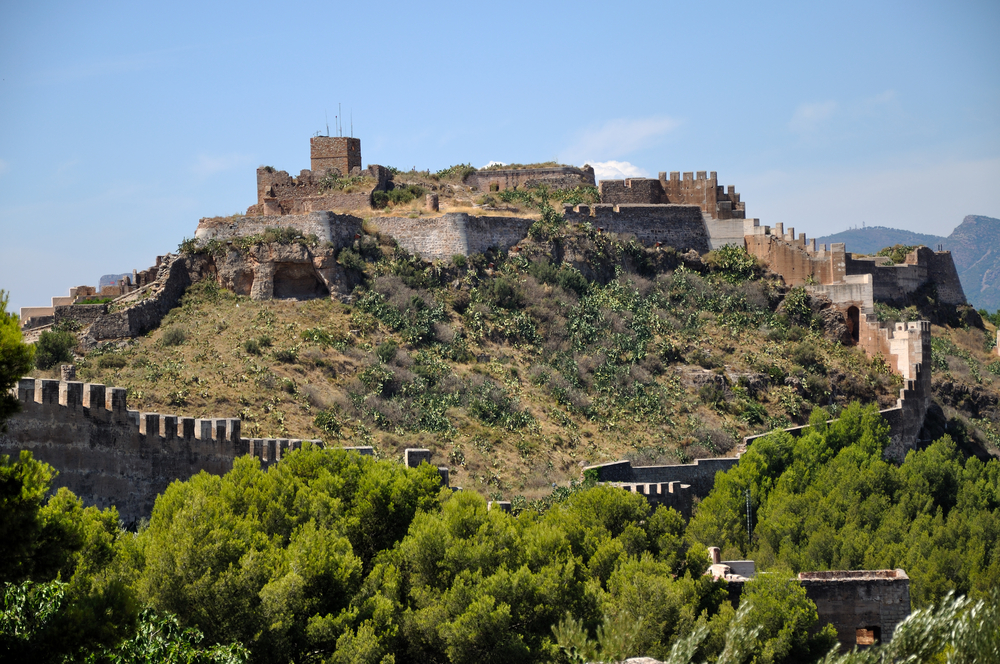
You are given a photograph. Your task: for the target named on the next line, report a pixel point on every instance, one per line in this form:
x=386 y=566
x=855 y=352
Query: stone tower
x=339 y=152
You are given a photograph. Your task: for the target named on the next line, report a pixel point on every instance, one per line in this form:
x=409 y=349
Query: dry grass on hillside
x=496 y=413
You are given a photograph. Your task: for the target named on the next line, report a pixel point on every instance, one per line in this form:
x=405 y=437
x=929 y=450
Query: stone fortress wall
x=110 y=455
x=721 y=207
x=559 y=177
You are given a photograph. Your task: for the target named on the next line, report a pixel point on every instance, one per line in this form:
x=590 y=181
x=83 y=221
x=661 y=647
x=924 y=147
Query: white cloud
x=211 y=164
x=808 y=117
x=494 y=163
x=617 y=138
x=616 y=170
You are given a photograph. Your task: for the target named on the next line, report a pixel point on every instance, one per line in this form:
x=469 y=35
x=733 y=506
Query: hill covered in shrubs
x=515 y=369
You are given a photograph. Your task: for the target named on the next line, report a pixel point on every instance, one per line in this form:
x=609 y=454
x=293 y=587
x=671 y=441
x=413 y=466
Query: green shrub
x=54 y=348
x=286 y=355
x=398 y=196
x=174 y=336
x=897 y=252
x=459 y=260
x=111 y=362
x=386 y=350
x=797 y=306
x=351 y=260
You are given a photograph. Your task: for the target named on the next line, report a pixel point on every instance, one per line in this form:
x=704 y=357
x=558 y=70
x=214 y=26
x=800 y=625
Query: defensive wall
x=279 y=193
x=800 y=263
x=679 y=226
x=440 y=238
x=559 y=177
x=109 y=455
x=690 y=189
x=337 y=229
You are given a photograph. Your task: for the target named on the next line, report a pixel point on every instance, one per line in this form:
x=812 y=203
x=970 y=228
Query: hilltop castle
x=333 y=202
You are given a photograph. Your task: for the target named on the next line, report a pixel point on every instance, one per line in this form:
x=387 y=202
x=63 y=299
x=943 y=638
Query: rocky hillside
x=516 y=371
x=975 y=246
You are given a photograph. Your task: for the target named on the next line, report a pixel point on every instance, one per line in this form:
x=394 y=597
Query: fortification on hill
x=110 y=455
x=689 y=212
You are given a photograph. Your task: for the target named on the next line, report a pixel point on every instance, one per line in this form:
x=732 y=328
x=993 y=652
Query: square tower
x=339 y=152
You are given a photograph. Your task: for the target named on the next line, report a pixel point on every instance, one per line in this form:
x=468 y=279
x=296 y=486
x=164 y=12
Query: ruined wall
x=85 y=314
x=700 y=475
x=865 y=607
x=561 y=177
x=278 y=193
x=152 y=302
x=799 y=263
x=679 y=226
x=440 y=238
x=894 y=283
x=340 y=153
x=337 y=229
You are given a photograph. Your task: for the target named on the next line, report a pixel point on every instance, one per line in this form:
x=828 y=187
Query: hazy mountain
x=870 y=239
x=974 y=244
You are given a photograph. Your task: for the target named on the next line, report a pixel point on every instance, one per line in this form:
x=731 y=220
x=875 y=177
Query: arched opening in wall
x=854 y=324
x=298 y=281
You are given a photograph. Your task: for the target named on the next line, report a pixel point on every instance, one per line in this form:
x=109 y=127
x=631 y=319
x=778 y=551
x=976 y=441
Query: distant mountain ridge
x=974 y=245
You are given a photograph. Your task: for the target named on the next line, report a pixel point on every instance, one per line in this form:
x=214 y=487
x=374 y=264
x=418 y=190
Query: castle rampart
x=440 y=238
x=559 y=177
x=692 y=189
x=679 y=226
x=337 y=229
x=109 y=455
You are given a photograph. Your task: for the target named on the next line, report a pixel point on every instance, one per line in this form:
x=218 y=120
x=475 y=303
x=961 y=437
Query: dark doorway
x=298 y=281
x=854 y=324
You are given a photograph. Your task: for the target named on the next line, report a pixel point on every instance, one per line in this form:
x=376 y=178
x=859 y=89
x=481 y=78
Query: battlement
x=279 y=193
x=701 y=189
x=110 y=455
x=669 y=494
x=696 y=478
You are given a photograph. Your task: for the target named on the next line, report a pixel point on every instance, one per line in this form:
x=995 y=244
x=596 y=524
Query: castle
x=689 y=211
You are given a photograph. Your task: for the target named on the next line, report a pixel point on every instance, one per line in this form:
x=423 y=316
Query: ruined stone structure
x=721 y=207
x=691 y=189
x=279 y=193
x=865 y=607
x=559 y=177
x=672 y=486
x=679 y=226
x=440 y=238
x=800 y=263
x=110 y=455
x=334 y=153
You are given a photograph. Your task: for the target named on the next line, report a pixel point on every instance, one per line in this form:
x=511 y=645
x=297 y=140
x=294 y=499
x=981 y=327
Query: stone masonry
x=559 y=177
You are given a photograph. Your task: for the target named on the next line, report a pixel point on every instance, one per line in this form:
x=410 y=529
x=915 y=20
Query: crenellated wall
x=109 y=455
x=690 y=189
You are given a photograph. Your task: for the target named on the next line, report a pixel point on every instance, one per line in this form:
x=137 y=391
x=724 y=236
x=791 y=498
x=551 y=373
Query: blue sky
x=123 y=124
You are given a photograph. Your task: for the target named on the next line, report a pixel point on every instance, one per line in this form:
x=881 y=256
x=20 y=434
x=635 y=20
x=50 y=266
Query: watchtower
x=339 y=152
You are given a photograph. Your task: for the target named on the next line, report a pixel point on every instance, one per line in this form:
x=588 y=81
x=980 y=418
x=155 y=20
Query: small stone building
x=864 y=606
